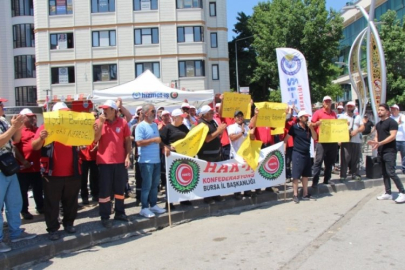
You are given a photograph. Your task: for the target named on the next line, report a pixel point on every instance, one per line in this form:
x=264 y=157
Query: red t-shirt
x=25 y=148
x=62 y=157
x=228 y=121
x=288 y=125
x=322 y=114
x=264 y=134
x=87 y=154
x=111 y=147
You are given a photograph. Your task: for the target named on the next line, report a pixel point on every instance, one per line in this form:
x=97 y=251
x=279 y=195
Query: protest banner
x=233 y=102
x=192 y=179
x=250 y=151
x=271 y=114
x=277 y=131
x=191 y=144
x=333 y=131
x=68 y=127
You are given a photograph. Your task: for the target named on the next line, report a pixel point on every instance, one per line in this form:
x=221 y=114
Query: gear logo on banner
x=174 y=95
x=272 y=167
x=290 y=64
x=136 y=95
x=184 y=175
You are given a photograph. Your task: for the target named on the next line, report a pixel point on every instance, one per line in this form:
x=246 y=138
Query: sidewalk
x=90 y=231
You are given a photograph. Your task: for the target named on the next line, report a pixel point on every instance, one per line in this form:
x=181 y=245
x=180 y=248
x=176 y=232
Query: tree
x=392 y=35
x=305 y=25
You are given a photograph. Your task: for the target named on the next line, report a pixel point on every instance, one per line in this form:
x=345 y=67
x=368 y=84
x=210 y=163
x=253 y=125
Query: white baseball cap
x=138 y=108
x=109 y=104
x=395 y=106
x=303 y=113
x=165 y=112
x=204 y=109
x=192 y=107
x=351 y=103
x=217 y=105
x=60 y=106
x=340 y=107
x=178 y=112
x=185 y=105
x=27 y=112
x=327 y=98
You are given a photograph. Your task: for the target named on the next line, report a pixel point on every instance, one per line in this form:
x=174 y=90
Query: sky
x=235 y=6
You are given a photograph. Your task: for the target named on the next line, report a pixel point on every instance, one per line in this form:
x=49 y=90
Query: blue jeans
x=10 y=197
x=401 y=149
x=150 y=181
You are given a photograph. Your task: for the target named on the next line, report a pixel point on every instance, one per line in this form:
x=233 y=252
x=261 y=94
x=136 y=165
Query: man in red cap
x=325 y=152
x=30 y=174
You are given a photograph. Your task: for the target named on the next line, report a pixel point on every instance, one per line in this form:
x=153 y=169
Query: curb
x=23 y=257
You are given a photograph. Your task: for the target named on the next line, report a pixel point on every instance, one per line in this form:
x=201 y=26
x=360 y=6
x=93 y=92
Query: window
x=60 y=7
x=26 y=96
x=62 y=41
x=146 y=36
x=104 y=38
x=213 y=9
x=22 y=8
x=189 y=4
x=154 y=67
x=145 y=4
x=214 y=42
x=63 y=75
x=102 y=6
x=23 y=35
x=190 y=34
x=191 y=68
x=215 y=72
x=105 y=72
x=24 y=66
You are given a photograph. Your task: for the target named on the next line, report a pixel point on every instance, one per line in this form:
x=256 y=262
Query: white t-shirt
x=401 y=127
x=236 y=129
x=355 y=125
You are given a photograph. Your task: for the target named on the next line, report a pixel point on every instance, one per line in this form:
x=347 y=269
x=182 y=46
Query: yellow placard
x=271 y=114
x=191 y=144
x=277 y=131
x=333 y=131
x=69 y=128
x=233 y=102
x=250 y=152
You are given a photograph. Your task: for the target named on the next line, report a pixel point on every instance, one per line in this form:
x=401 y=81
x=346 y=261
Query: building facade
x=97 y=44
x=17 y=53
x=354 y=23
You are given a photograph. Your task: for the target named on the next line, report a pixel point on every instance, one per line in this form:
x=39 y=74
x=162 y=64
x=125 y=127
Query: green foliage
x=304 y=25
x=275 y=95
x=392 y=35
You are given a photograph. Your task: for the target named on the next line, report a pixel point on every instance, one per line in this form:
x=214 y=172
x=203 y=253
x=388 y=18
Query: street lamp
x=236 y=59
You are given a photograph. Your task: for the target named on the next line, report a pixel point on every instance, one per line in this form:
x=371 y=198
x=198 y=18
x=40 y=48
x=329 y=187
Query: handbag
x=8 y=163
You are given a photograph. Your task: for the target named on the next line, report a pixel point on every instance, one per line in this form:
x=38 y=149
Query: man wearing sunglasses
x=325 y=152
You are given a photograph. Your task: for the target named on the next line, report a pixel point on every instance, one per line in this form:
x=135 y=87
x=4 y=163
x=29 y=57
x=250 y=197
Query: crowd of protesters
x=58 y=173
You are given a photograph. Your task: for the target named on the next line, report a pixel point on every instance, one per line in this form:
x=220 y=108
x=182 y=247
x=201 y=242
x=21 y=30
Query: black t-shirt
x=367 y=127
x=213 y=147
x=302 y=138
x=170 y=134
x=383 y=131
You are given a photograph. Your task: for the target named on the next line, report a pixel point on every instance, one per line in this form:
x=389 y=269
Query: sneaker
x=400 y=198
x=4 y=247
x=121 y=217
x=40 y=211
x=295 y=199
x=385 y=196
x=157 y=210
x=356 y=177
x=342 y=179
x=23 y=236
x=27 y=215
x=53 y=236
x=85 y=201
x=106 y=223
x=146 y=213
x=70 y=229
x=308 y=197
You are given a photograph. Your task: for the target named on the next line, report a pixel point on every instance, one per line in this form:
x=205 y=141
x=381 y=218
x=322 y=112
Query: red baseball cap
x=3 y=100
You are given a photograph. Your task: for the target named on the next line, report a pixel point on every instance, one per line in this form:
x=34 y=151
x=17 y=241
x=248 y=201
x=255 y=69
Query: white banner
x=192 y=179
x=292 y=70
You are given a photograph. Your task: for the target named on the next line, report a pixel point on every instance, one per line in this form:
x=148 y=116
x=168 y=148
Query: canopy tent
x=149 y=89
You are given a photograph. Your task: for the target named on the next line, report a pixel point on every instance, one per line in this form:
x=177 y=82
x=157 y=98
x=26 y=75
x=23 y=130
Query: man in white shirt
x=400 y=138
x=350 y=151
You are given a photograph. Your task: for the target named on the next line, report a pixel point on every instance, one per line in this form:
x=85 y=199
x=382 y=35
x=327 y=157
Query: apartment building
x=83 y=45
x=17 y=53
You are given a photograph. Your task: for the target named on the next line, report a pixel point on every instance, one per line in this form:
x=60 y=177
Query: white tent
x=149 y=89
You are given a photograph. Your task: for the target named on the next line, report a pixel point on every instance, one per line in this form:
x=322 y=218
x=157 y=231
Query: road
x=345 y=230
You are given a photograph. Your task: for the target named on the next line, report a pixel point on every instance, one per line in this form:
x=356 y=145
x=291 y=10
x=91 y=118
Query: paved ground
x=349 y=230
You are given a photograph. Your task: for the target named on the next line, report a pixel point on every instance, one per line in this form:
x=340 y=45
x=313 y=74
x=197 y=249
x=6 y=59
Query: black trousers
x=138 y=182
x=34 y=180
x=325 y=152
x=388 y=162
x=113 y=179
x=89 y=166
x=349 y=158
x=288 y=159
x=60 y=189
